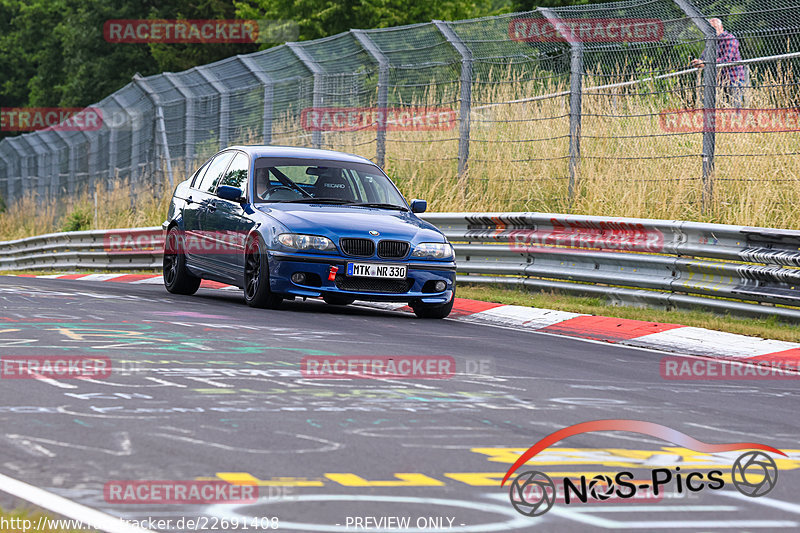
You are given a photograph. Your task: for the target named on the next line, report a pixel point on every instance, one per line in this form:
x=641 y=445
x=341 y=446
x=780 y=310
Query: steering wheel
x=267 y=195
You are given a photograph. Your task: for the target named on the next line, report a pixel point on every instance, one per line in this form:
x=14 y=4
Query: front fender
x=266 y=226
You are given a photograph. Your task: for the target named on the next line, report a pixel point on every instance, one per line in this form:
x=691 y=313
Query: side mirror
x=419 y=206
x=228 y=192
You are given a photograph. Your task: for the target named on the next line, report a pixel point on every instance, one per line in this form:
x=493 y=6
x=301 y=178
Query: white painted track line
x=64 y=507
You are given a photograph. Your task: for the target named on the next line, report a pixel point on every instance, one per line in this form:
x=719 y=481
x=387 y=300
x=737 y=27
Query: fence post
x=575 y=100
x=188 y=99
x=41 y=165
x=32 y=152
x=55 y=169
x=266 y=81
x=113 y=149
x=23 y=167
x=316 y=71
x=135 y=144
x=224 y=105
x=709 y=97
x=92 y=156
x=6 y=178
x=465 y=100
x=161 y=128
x=55 y=185
x=383 y=91
x=71 y=157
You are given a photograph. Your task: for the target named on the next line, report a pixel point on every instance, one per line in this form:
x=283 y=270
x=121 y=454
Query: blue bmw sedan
x=282 y=223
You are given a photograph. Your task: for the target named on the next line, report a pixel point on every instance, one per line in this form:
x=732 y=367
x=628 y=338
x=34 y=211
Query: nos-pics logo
x=533 y=493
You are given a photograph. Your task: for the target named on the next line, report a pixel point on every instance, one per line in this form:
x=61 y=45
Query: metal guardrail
x=672 y=264
x=117 y=249
x=662 y=263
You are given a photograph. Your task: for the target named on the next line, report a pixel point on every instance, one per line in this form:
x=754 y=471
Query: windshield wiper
x=381 y=206
x=312 y=200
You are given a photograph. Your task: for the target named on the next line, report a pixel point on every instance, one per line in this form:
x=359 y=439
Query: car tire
x=256 y=276
x=338 y=299
x=177 y=278
x=434 y=310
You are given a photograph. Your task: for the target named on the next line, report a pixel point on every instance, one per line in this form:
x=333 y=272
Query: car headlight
x=306 y=242
x=433 y=250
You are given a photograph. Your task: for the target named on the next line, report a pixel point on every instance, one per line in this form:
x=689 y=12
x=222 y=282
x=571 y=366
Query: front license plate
x=373 y=270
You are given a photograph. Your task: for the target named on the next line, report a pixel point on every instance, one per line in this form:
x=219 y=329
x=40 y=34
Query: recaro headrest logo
x=533 y=493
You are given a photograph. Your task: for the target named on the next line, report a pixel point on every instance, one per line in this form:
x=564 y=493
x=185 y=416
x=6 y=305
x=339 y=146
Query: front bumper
x=420 y=276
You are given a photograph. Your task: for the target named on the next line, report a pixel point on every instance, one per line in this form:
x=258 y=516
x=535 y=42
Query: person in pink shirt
x=731 y=78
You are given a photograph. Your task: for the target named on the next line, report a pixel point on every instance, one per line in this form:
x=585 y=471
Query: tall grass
x=518 y=160
x=88 y=209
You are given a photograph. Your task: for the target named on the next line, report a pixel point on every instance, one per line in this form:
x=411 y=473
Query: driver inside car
x=269 y=186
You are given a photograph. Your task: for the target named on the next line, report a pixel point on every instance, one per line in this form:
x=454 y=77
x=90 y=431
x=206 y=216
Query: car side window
x=214 y=172
x=236 y=175
x=198 y=176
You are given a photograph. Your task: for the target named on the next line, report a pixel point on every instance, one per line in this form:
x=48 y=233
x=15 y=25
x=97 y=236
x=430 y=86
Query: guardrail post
x=189 y=126
x=266 y=81
x=224 y=105
x=465 y=99
x=161 y=128
x=575 y=99
x=709 y=97
x=383 y=91
x=316 y=71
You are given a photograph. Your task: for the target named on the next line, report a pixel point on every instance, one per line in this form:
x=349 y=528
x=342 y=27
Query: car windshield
x=286 y=180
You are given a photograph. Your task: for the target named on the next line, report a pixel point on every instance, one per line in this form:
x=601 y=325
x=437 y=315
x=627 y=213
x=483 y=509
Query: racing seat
x=333 y=185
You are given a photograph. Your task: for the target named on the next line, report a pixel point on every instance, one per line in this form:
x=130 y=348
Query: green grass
x=769 y=328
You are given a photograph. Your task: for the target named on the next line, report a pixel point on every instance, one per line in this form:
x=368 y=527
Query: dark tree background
x=52 y=52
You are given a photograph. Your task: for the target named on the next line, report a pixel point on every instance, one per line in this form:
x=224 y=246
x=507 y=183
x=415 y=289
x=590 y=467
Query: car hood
x=350 y=221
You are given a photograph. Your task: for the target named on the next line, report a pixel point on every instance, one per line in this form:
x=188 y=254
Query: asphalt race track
x=204 y=387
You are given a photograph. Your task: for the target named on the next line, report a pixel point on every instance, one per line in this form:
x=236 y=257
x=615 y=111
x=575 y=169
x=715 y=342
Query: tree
x=53 y=53
x=321 y=18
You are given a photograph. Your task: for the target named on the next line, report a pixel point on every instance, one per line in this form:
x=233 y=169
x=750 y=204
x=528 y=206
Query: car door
x=198 y=246
x=226 y=221
x=190 y=215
